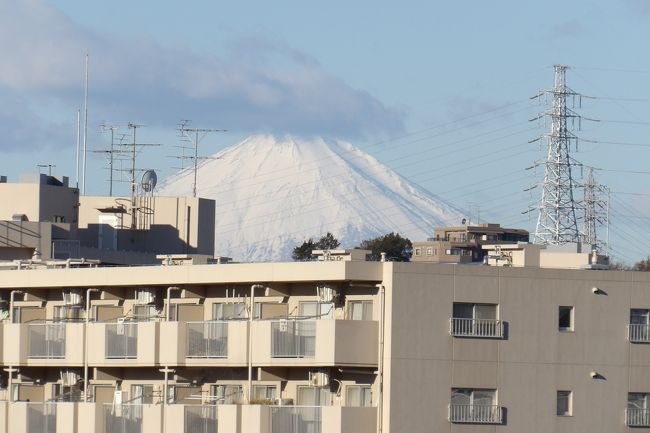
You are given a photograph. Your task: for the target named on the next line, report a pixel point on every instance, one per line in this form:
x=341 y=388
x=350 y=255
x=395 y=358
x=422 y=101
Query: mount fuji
x=274 y=193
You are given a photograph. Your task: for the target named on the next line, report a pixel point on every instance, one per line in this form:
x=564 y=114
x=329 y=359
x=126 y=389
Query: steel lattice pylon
x=557 y=223
x=596 y=212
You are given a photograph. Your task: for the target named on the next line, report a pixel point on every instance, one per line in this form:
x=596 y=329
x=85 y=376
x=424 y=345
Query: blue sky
x=437 y=90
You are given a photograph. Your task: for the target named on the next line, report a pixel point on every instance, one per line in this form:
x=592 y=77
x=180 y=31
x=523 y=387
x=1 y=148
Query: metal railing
x=637 y=417
x=481 y=328
x=475 y=413
x=46 y=340
x=121 y=340
x=639 y=333
x=207 y=340
x=122 y=418
x=201 y=419
x=41 y=417
x=293 y=339
x=296 y=419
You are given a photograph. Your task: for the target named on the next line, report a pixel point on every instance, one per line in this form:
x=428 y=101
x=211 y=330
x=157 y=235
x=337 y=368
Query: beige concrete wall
x=349 y=419
x=38 y=202
x=531 y=364
x=89 y=418
x=3 y=416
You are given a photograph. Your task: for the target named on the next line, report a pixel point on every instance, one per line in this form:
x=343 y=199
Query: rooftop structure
x=42 y=217
x=462 y=244
x=332 y=346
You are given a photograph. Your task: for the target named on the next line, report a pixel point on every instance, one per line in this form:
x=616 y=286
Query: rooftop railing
x=207 y=340
x=121 y=340
x=475 y=413
x=639 y=333
x=41 y=417
x=296 y=419
x=201 y=419
x=293 y=339
x=122 y=418
x=637 y=417
x=46 y=340
x=478 y=328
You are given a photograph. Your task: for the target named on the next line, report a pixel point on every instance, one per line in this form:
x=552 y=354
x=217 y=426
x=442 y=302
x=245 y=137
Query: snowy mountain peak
x=274 y=193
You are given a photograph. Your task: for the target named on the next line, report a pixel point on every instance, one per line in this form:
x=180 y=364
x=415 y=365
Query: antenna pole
x=83 y=175
x=199 y=134
x=196 y=161
x=133 y=210
x=78 y=143
x=110 y=188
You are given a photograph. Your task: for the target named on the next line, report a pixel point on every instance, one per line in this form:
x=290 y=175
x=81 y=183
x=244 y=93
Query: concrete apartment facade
x=43 y=217
x=332 y=346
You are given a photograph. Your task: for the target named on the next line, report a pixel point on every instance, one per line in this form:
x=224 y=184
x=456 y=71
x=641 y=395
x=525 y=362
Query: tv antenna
x=194 y=136
x=111 y=152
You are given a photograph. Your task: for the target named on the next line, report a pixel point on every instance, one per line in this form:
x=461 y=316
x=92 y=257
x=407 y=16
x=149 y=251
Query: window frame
x=569 y=402
x=571 y=327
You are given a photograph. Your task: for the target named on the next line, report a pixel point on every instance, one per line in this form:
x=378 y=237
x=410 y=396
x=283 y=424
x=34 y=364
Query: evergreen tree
x=397 y=248
x=302 y=252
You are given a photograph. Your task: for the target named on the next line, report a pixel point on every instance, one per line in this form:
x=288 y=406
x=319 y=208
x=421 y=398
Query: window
x=418 y=251
x=264 y=392
x=359 y=396
x=229 y=311
x=360 y=310
x=564 y=403
x=312 y=396
x=639 y=329
x=144 y=312
x=429 y=251
x=67 y=313
x=59 y=219
x=475 y=406
x=565 y=319
x=227 y=394
x=141 y=394
x=317 y=310
x=637 y=410
x=464 y=310
x=473 y=397
x=639 y=316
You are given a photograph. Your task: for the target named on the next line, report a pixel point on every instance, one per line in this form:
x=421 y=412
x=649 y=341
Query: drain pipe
x=169 y=299
x=88 y=292
x=251 y=312
x=11 y=303
x=380 y=363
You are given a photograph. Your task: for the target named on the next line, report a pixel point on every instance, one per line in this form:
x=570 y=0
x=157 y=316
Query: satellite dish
x=149 y=180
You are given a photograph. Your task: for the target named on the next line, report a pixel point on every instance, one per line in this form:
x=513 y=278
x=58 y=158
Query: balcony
x=123 y=344
x=638 y=333
x=121 y=341
x=37 y=417
x=315 y=342
x=124 y=418
x=41 y=417
x=204 y=343
x=637 y=417
x=296 y=419
x=46 y=340
x=475 y=328
x=475 y=414
x=207 y=340
x=200 y=419
x=43 y=344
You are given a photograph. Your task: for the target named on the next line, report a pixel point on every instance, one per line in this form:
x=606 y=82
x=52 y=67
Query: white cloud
x=258 y=86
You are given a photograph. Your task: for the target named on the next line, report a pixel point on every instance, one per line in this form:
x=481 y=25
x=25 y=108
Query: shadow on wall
x=158 y=239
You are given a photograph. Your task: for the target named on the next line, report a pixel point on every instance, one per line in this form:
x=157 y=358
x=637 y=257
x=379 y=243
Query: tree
x=302 y=252
x=643 y=265
x=397 y=248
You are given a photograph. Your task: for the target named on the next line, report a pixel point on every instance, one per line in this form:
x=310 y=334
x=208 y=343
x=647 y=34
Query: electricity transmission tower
x=194 y=136
x=596 y=211
x=557 y=222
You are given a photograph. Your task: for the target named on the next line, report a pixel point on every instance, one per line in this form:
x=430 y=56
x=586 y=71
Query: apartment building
x=463 y=244
x=331 y=346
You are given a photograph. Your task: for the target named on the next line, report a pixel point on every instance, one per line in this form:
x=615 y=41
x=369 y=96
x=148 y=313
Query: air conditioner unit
x=72 y=297
x=326 y=293
x=69 y=378
x=319 y=379
x=145 y=296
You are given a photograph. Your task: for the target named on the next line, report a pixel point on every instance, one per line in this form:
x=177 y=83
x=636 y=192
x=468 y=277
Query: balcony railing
x=41 y=417
x=639 y=333
x=475 y=413
x=46 y=340
x=121 y=340
x=207 y=340
x=122 y=418
x=637 y=417
x=293 y=339
x=479 y=328
x=201 y=419
x=296 y=419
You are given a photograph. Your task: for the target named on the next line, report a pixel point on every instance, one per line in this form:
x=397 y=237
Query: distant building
x=43 y=218
x=463 y=244
x=568 y=256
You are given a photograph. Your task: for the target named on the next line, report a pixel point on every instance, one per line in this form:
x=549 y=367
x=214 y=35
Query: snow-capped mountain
x=272 y=194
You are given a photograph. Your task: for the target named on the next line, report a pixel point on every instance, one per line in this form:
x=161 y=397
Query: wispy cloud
x=259 y=86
